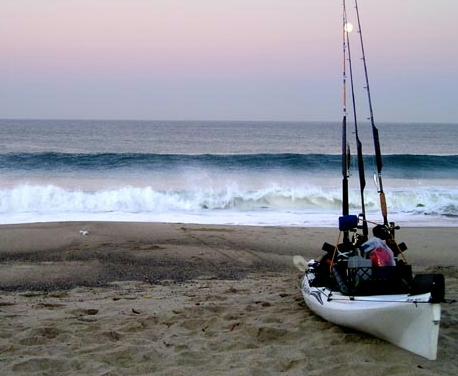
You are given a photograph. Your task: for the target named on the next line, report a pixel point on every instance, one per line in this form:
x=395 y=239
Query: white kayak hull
x=410 y=322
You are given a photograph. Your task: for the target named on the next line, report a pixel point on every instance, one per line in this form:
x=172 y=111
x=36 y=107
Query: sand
x=175 y=299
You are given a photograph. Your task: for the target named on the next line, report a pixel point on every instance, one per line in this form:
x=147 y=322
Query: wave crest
x=41 y=199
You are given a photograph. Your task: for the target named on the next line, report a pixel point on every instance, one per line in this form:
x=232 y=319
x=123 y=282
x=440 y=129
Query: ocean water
x=248 y=173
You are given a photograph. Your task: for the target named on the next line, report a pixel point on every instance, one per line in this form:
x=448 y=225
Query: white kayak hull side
x=410 y=322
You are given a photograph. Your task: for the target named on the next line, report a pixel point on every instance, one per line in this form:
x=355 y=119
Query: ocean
x=221 y=172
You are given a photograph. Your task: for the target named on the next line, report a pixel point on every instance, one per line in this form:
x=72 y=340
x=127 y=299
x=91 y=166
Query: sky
x=277 y=60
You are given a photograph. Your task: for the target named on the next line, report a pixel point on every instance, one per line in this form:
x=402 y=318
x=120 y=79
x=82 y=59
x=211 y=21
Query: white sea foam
x=272 y=205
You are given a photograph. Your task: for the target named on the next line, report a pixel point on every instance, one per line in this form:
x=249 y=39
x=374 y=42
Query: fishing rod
x=359 y=147
x=345 y=146
x=378 y=153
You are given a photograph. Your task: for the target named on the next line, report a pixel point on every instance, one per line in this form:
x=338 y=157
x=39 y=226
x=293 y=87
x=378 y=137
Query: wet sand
x=103 y=298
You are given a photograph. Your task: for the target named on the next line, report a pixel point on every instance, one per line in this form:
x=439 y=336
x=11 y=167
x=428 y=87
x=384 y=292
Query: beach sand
x=102 y=298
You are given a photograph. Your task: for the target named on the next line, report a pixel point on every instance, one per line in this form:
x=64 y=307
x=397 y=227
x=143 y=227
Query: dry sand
x=174 y=299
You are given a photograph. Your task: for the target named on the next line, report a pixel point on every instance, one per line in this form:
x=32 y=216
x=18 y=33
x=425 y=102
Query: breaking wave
x=46 y=200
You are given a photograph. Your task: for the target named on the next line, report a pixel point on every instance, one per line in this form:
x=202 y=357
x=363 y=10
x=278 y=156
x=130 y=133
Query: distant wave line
x=395 y=165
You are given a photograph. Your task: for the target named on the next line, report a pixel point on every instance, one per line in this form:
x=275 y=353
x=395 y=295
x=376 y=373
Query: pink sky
x=222 y=59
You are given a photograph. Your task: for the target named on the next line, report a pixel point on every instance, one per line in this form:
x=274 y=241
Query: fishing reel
x=387 y=232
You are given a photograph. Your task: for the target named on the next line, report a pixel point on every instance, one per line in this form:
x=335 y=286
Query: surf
x=272 y=203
